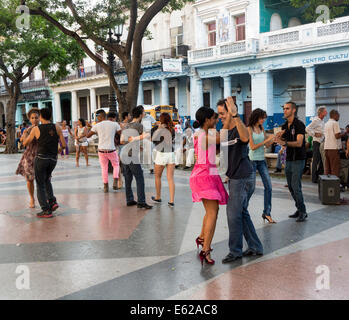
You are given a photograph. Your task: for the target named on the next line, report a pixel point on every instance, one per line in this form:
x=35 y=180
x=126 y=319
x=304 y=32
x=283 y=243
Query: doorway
x=66 y=110
x=247 y=111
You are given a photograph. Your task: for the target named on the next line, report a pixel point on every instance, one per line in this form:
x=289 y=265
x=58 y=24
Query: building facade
x=263 y=54
x=162 y=81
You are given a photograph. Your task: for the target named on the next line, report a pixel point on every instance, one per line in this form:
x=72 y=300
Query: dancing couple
x=207 y=186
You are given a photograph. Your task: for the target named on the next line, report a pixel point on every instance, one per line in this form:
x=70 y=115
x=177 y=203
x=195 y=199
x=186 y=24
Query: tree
x=39 y=45
x=82 y=20
x=313 y=10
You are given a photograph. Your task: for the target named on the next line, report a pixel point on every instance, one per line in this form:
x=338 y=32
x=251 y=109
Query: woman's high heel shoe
x=268 y=218
x=203 y=256
x=199 y=242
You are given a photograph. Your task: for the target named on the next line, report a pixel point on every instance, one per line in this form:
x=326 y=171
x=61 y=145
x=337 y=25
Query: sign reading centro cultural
x=329 y=58
x=172 y=65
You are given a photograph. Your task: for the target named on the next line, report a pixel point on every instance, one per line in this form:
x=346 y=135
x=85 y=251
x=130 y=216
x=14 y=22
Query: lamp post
x=111 y=60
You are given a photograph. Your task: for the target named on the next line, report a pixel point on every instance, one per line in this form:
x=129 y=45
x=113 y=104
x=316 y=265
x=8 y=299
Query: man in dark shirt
x=241 y=183
x=130 y=157
x=47 y=134
x=292 y=136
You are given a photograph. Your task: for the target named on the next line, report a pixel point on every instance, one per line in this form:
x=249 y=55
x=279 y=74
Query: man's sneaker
x=295 y=215
x=251 y=252
x=144 y=206
x=54 y=206
x=131 y=203
x=106 y=188
x=302 y=217
x=45 y=214
x=230 y=258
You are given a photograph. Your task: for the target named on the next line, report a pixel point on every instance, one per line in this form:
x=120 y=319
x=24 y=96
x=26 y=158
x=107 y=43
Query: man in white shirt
x=316 y=129
x=332 y=144
x=106 y=129
x=147 y=122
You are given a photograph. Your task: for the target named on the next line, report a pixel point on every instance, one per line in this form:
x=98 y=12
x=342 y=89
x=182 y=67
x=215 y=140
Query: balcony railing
x=223 y=51
x=156 y=56
x=85 y=73
x=306 y=35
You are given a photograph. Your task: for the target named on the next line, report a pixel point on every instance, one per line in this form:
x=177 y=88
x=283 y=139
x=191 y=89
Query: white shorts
x=82 y=144
x=164 y=158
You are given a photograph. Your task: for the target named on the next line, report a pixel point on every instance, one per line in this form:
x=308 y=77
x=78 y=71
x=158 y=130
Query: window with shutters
x=211 y=32
x=240 y=27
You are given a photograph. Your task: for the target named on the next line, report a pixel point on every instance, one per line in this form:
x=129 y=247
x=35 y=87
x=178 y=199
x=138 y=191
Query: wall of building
x=266 y=10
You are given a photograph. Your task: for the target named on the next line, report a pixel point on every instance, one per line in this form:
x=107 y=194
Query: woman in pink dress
x=205 y=183
x=26 y=165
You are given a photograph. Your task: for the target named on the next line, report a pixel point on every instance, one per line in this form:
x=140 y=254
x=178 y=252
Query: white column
x=57 y=107
x=165 y=97
x=310 y=100
x=262 y=91
x=93 y=100
x=140 y=99
x=193 y=98
x=200 y=92
x=74 y=106
x=227 y=86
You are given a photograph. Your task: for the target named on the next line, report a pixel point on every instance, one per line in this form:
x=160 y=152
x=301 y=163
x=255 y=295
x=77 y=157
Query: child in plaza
x=106 y=130
x=47 y=135
x=205 y=182
x=26 y=165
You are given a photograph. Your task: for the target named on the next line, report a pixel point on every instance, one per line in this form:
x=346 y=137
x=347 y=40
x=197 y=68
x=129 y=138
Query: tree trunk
x=11 y=126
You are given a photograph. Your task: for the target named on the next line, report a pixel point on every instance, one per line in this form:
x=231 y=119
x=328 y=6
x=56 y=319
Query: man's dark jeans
x=239 y=220
x=134 y=170
x=43 y=170
x=294 y=171
x=317 y=166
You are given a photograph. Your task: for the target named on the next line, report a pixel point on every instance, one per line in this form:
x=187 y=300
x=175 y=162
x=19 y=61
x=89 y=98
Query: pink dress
x=205 y=182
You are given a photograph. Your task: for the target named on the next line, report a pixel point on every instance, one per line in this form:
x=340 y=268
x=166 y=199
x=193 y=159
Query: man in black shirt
x=48 y=134
x=292 y=136
x=241 y=183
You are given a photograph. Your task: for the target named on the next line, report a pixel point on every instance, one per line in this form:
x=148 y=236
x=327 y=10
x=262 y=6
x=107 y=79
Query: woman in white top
x=66 y=132
x=81 y=140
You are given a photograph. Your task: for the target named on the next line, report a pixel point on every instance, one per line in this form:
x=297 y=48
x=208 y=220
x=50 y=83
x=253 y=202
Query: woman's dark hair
x=31 y=111
x=201 y=115
x=165 y=118
x=83 y=122
x=255 y=116
x=137 y=112
x=124 y=115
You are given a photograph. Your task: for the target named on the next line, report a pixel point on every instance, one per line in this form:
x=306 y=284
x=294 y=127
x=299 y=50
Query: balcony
x=313 y=34
x=87 y=72
x=224 y=51
x=153 y=57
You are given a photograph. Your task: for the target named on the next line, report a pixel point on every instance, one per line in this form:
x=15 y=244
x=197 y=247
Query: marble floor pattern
x=98 y=248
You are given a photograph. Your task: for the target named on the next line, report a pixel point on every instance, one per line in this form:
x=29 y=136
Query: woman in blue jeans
x=257 y=140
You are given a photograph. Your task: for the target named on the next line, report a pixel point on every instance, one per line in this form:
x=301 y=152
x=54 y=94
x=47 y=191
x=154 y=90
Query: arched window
x=275 y=22
x=294 y=21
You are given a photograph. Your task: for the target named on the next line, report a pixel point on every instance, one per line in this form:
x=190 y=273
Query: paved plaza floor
x=98 y=248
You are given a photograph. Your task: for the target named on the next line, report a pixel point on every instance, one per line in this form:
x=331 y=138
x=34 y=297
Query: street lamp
x=111 y=59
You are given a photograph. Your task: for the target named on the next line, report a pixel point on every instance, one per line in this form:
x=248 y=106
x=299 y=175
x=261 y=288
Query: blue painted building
x=265 y=55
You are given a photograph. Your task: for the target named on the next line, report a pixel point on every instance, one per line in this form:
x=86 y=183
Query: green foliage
x=337 y=8
x=41 y=45
x=98 y=15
